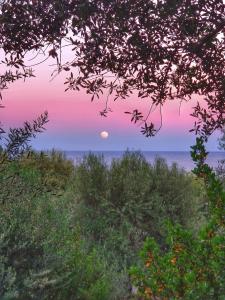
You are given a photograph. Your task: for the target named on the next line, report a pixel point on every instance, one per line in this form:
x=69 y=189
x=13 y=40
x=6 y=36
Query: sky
x=75 y=122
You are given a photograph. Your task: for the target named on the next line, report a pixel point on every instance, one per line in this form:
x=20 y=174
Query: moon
x=104 y=134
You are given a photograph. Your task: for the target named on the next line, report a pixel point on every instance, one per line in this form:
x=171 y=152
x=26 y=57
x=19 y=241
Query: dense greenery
x=73 y=232
x=143 y=194
x=42 y=254
x=221 y=166
x=193 y=266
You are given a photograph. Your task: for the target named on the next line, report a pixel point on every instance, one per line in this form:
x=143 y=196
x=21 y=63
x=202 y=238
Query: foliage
x=131 y=200
x=55 y=171
x=72 y=233
x=18 y=138
x=150 y=194
x=42 y=254
x=144 y=194
x=134 y=199
x=191 y=267
x=91 y=180
x=222 y=140
x=165 y=50
x=16 y=142
x=221 y=167
x=33 y=174
x=65 y=235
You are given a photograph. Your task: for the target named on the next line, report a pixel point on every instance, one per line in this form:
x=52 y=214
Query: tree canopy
x=165 y=50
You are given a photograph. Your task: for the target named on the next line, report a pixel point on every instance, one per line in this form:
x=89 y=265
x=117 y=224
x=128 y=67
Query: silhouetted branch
x=17 y=140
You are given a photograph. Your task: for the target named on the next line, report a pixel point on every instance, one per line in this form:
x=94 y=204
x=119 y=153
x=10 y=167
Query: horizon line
x=129 y=150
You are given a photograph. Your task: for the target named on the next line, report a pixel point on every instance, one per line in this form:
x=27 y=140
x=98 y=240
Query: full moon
x=104 y=134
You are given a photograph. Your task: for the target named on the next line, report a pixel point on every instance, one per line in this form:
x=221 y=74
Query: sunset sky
x=75 y=122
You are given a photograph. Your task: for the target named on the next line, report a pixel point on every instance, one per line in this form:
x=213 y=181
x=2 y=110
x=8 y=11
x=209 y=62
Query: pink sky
x=75 y=122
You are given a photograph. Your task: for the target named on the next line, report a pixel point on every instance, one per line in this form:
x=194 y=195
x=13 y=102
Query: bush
x=72 y=232
x=55 y=171
x=128 y=185
x=192 y=267
x=91 y=180
x=131 y=190
x=42 y=254
x=150 y=194
x=221 y=167
x=121 y=204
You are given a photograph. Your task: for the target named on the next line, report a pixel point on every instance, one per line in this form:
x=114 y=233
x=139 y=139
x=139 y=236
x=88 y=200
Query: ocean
x=183 y=159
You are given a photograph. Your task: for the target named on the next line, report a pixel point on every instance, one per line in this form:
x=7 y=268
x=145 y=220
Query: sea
x=182 y=158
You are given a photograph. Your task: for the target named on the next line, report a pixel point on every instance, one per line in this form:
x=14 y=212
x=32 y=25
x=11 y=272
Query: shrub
x=72 y=233
x=128 y=184
x=55 y=171
x=150 y=194
x=91 y=180
x=221 y=167
x=42 y=254
x=192 y=267
x=131 y=200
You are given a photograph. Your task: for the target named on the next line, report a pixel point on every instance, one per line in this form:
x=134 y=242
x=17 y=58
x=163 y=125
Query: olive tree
x=164 y=50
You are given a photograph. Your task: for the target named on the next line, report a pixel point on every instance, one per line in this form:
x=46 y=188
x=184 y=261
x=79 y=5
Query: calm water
x=183 y=159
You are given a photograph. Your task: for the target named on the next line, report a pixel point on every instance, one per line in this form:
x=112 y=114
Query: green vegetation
x=42 y=254
x=192 y=267
x=74 y=232
x=221 y=166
